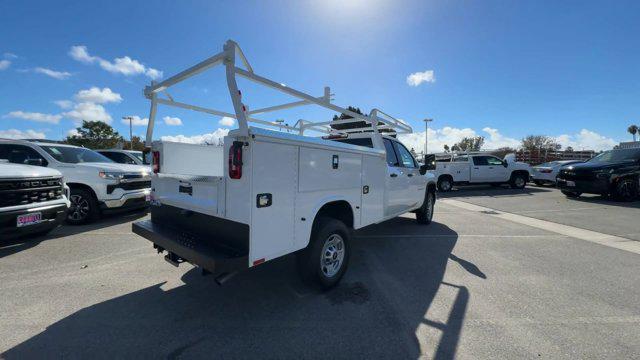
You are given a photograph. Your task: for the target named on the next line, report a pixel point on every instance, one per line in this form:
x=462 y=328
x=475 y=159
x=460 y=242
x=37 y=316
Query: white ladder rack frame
x=376 y=120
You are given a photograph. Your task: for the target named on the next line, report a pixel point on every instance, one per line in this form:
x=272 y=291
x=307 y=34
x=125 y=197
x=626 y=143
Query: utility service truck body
x=479 y=168
x=268 y=193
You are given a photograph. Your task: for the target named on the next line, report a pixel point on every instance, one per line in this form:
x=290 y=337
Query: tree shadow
x=394 y=275
x=25 y=242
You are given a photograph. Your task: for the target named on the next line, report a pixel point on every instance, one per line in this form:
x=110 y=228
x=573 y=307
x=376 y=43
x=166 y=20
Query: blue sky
x=501 y=69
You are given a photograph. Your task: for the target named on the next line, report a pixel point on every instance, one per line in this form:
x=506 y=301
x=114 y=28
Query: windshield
x=617 y=155
x=137 y=155
x=74 y=155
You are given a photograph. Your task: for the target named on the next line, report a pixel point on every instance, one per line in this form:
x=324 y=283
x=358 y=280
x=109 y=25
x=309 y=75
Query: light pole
x=426 y=132
x=130 y=118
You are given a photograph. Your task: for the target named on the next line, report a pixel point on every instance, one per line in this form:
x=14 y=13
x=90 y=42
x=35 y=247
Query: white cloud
x=437 y=138
x=4 y=64
x=10 y=55
x=418 y=78
x=88 y=111
x=495 y=140
x=587 y=140
x=60 y=75
x=20 y=134
x=64 y=104
x=98 y=96
x=213 y=138
x=80 y=53
x=72 y=132
x=136 y=121
x=122 y=65
x=227 y=121
x=173 y=121
x=34 y=116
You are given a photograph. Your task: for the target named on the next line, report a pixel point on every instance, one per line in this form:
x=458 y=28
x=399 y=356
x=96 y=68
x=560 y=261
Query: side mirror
x=34 y=162
x=505 y=163
x=429 y=164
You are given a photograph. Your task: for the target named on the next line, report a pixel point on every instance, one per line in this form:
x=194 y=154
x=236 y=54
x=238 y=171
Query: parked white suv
x=97 y=184
x=33 y=200
x=479 y=168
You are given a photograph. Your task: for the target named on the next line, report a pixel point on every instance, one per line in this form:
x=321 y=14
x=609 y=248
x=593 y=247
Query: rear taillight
x=156 y=162
x=235 y=160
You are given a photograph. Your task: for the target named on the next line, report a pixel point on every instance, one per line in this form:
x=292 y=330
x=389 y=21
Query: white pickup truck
x=268 y=193
x=479 y=168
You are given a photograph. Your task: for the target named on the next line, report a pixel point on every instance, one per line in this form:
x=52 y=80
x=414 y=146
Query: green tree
x=469 y=144
x=504 y=151
x=138 y=144
x=95 y=135
x=446 y=148
x=539 y=142
x=633 y=130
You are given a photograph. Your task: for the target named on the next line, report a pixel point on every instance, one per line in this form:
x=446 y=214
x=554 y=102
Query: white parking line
x=574 y=232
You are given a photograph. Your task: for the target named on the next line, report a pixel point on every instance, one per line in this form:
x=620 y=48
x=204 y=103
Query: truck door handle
x=394 y=175
x=409 y=175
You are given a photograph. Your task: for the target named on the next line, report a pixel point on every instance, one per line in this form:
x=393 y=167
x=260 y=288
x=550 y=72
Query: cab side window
x=405 y=157
x=491 y=160
x=480 y=161
x=392 y=159
x=20 y=154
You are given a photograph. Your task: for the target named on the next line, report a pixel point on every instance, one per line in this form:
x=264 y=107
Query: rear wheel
x=83 y=209
x=425 y=213
x=445 y=184
x=571 y=194
x=518 y=181
x=626 y=190
x=325 y=260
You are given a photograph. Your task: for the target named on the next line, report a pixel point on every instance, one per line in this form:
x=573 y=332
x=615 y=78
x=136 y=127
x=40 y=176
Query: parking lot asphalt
x=591 y=212
x=470 y=285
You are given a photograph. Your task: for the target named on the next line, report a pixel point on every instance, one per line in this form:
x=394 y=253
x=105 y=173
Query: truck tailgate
x=204 y=194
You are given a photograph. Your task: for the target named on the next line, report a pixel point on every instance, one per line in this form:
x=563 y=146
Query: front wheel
x=571 y=194
x=425 y=213
x=626 y=190
x=518 y=181
x=325 y=260
x=83 y=209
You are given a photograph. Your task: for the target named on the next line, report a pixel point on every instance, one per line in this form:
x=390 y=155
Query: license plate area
x=29 y=219
x=571 y=183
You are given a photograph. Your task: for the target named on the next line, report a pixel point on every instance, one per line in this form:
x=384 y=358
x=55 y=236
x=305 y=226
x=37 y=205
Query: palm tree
x=633 y=130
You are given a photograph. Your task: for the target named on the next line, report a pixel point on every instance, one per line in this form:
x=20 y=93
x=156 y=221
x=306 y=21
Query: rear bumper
x=198 y=250
x=52 y=216
x=596 y=186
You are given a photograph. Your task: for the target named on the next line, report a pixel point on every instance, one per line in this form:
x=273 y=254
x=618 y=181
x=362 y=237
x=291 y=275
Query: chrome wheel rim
x=625 y=189
x=332 y=256
x=79 y=208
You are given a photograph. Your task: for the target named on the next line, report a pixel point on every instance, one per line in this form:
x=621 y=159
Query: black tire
x=571 y=194
x=312 y=261
x=538 y=182
x=83 y=209
x=518 y=181
x=445 y=183
x=626 y=190
x=496 y=185
x=425 y=213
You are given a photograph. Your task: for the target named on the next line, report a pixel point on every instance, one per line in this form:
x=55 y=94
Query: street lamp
x=426 y=131
x=130 y=118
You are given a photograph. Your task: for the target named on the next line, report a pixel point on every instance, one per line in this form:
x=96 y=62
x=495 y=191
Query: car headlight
x=111 y=175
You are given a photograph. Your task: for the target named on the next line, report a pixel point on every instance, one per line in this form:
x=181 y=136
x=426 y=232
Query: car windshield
x=137 y=155
x=74 y=155
x=617 y=155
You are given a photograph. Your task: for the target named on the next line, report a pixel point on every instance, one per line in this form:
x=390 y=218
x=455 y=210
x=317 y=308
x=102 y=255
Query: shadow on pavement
x=605 y=200
x=268 y=312
x=16 y=245
x=490 y=191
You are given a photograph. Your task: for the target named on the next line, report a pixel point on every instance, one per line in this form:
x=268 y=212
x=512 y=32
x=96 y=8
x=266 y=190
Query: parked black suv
x=613 y=173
